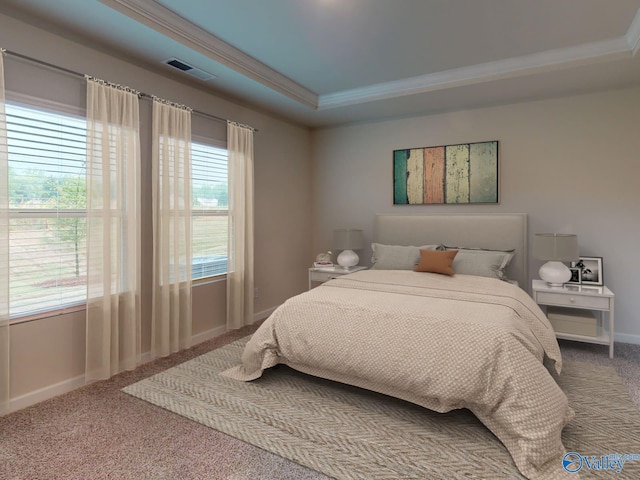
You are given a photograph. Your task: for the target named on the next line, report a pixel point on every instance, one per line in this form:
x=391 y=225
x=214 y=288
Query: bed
x=472 y=340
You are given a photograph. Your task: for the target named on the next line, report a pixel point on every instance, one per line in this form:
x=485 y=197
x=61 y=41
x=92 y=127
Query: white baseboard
x=37 y=396
x=208 y=335
x=65 y=386
x=626 y=338
x=263 y=314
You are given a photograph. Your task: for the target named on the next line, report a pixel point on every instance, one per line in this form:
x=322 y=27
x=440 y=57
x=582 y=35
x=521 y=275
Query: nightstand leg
x=611 y=330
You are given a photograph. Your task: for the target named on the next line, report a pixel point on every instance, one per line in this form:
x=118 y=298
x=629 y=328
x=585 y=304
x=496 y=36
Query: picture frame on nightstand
x=591 y=270
x=576 y=276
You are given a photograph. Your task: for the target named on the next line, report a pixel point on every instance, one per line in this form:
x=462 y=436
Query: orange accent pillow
x=436 y=261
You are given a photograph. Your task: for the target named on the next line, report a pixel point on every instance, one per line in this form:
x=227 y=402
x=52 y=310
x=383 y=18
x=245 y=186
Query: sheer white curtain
x=113 y=230
x=4 y=250
x=240 y=270
x=171 y=310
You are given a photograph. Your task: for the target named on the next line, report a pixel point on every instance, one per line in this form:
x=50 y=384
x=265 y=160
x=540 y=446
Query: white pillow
x=484 y=263
x=396 y=257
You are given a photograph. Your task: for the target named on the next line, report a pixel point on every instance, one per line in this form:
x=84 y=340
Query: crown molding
x=513 y=67
x=167 y=22
x=633 y=34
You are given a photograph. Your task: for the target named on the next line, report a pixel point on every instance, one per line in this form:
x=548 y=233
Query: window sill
x=204 y=281
x=48 y=314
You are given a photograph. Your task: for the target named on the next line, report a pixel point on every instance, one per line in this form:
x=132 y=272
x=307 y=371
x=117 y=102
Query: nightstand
x=324 y=274
x=583 y=297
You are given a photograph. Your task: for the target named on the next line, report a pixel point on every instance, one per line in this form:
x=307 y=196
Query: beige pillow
x=435 y=261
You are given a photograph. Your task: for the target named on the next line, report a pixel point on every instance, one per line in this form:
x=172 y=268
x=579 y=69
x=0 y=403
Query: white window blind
x=47 y=189
x=210 y=210
x=47 y=200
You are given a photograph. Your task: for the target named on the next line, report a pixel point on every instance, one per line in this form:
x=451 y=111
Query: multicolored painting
x=450 y=174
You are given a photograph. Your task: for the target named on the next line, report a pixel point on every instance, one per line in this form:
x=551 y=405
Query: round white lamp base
x=348 y=259
x=555 y=274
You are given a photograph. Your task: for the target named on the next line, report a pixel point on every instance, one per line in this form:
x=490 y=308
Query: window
x=47 y=209
x=47 y=200
x=210 y=210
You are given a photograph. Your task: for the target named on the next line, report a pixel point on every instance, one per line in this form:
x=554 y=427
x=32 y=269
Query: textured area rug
x=350 y=433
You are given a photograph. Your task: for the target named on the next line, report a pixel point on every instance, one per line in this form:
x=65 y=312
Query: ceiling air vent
x=188 y=69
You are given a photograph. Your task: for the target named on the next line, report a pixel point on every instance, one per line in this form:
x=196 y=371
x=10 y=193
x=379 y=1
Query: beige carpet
x=349 y=433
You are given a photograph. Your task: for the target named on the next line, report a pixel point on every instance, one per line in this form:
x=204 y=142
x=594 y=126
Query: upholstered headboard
x=500 y=231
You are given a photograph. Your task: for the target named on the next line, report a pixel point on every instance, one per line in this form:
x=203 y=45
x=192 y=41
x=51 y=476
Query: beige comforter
x=437 y=341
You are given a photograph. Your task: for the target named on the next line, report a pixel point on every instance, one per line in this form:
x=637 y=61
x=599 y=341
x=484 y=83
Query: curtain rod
x=82 y=75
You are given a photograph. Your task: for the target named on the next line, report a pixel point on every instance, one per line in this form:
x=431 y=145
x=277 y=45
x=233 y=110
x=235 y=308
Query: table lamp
x=348 y=240
x=555 y=248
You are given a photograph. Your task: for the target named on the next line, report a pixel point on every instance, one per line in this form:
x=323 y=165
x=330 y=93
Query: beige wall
x=570 y=163
x=51 y=351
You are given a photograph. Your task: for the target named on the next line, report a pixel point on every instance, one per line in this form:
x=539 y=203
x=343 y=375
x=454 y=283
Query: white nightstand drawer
x=325 y=274
x=579 y=301
x=322 y=276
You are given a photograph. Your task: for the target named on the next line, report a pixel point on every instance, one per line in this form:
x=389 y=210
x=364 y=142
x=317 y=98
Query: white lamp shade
x=348 y=239
x=559 y=247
